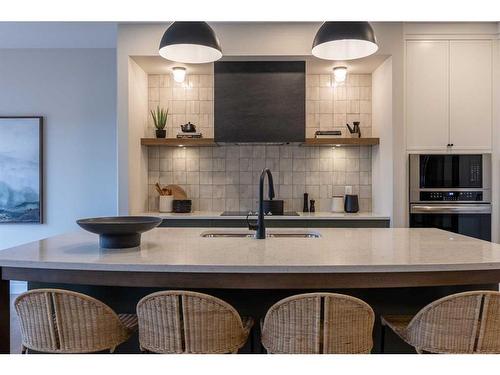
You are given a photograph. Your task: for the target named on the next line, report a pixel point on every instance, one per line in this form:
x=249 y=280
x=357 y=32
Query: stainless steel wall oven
x=451 y=192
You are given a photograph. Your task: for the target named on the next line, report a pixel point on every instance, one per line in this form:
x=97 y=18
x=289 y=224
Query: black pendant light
x=190 y=42
x=344 y=41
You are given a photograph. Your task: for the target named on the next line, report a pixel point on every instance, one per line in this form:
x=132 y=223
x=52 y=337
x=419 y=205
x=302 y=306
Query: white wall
x=58 y=34
x=138 y=117
x=495 y=216
x=382 y=156
x=75 y=91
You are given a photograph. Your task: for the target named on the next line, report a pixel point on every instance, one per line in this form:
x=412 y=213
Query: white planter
x=166 y=203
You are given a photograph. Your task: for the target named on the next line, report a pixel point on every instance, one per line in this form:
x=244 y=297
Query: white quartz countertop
x=215 y=215
x=338 y=250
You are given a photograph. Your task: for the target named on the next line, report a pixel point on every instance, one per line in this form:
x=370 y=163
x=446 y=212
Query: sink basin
x=269 y=234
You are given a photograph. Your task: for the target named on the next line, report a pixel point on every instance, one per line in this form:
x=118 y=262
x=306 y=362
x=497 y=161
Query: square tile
x=153 y=80
x=325 y=80
x=353 y=93
x=299 y=165
x=218 y=165
x=325 y=106
x=193 y=178
x=312 y=93
x=245 y=178
x=179 y=93
x=206 y=106
x=165 y=165
x=325 y=93
x=272 y=152
x=154 y=94
x=219 y=178
x=178 y=106
x=285 y=165
x=179 y=177
x=165 y=80
x=233 y=191
x=206 y=191
x=312 y=80
x=206 y=178
x=299 y=178
x=218 y=191
x=365 y=93
x=179 y=164
x=206 y=165
x=365 y=106
x=165 y=96
x=232 y=178
x=325 y=121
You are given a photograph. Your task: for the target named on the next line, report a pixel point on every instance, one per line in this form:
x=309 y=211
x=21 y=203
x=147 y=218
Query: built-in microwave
x=443 y=177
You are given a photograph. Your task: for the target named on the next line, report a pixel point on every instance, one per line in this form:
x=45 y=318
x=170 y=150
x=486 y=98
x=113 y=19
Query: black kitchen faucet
x=260 y=227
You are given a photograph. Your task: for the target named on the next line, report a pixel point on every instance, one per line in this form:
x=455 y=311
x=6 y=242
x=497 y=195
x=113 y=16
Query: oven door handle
x=450 y=209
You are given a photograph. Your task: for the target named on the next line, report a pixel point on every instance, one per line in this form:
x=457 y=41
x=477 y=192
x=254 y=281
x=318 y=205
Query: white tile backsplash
x=226 y=177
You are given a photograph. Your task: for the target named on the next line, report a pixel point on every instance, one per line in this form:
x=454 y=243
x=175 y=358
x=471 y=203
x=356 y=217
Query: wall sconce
x=339 y=74
x=179 y=74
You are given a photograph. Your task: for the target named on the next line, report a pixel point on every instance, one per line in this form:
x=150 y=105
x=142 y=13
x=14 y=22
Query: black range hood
x=259 y=101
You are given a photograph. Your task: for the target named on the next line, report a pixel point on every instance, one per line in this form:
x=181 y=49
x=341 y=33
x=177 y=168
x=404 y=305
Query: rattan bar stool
x=62 y=321
x=466 y=322
x=189 y=322
x=316 y=323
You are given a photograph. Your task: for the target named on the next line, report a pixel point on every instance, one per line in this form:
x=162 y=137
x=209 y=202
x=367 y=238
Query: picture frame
x=21 y=170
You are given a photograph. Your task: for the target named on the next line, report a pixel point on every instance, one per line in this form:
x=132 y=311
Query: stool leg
x=382 y=339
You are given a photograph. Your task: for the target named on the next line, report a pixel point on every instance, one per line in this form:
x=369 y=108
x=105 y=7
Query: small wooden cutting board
x=177 y=191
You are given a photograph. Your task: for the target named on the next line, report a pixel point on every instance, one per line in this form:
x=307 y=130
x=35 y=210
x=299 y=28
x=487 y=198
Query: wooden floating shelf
x=209 y=142
x=342 y=141
x=177 y=142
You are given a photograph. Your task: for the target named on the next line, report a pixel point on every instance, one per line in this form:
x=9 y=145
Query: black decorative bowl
x=119 y=231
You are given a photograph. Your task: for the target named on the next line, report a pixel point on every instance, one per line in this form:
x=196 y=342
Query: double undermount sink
x=269 y=234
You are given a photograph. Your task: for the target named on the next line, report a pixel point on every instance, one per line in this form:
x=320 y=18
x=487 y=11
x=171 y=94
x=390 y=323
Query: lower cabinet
x=275 y=223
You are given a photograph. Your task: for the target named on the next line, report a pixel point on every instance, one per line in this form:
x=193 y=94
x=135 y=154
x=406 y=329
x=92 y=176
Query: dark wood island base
x=253 y=293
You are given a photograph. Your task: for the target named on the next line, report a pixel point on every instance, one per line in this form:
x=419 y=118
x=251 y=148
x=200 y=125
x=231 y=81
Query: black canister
x=181 y=206
x=351 y=203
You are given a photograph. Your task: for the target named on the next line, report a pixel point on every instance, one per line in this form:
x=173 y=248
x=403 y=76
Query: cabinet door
x=470 y=94
x=427 y=90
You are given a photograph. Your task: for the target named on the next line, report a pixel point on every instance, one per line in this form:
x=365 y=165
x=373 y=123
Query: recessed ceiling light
x=179 y=73
x=340 y=74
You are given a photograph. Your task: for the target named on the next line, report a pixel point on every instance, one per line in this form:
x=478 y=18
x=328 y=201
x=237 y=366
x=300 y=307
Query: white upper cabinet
x=449 y=95
x=471 y=94
x=427 y=94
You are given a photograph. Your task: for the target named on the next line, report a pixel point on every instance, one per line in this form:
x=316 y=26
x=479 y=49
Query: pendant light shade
x=344 y=41
x=190 y=42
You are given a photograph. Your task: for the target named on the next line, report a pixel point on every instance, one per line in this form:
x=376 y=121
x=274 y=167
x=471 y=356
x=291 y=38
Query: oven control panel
x=451 y=196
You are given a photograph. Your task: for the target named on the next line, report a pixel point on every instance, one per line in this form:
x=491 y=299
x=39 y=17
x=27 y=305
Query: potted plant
x=160 y=116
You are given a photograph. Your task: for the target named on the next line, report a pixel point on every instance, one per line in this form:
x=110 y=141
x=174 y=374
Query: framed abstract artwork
x=21 y=169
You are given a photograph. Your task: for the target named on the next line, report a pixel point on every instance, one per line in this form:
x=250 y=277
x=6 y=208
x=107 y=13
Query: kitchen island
x=341 y=258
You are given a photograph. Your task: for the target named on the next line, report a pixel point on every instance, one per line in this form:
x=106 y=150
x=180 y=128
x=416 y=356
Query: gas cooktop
x=245 y=213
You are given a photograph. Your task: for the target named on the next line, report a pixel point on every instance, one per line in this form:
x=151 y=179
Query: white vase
x=166 y=203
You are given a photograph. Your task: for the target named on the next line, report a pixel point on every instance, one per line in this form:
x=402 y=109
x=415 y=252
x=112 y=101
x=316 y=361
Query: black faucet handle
x=251 y=226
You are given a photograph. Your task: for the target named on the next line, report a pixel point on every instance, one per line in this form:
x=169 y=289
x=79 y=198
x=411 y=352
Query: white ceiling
x=158 y=65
